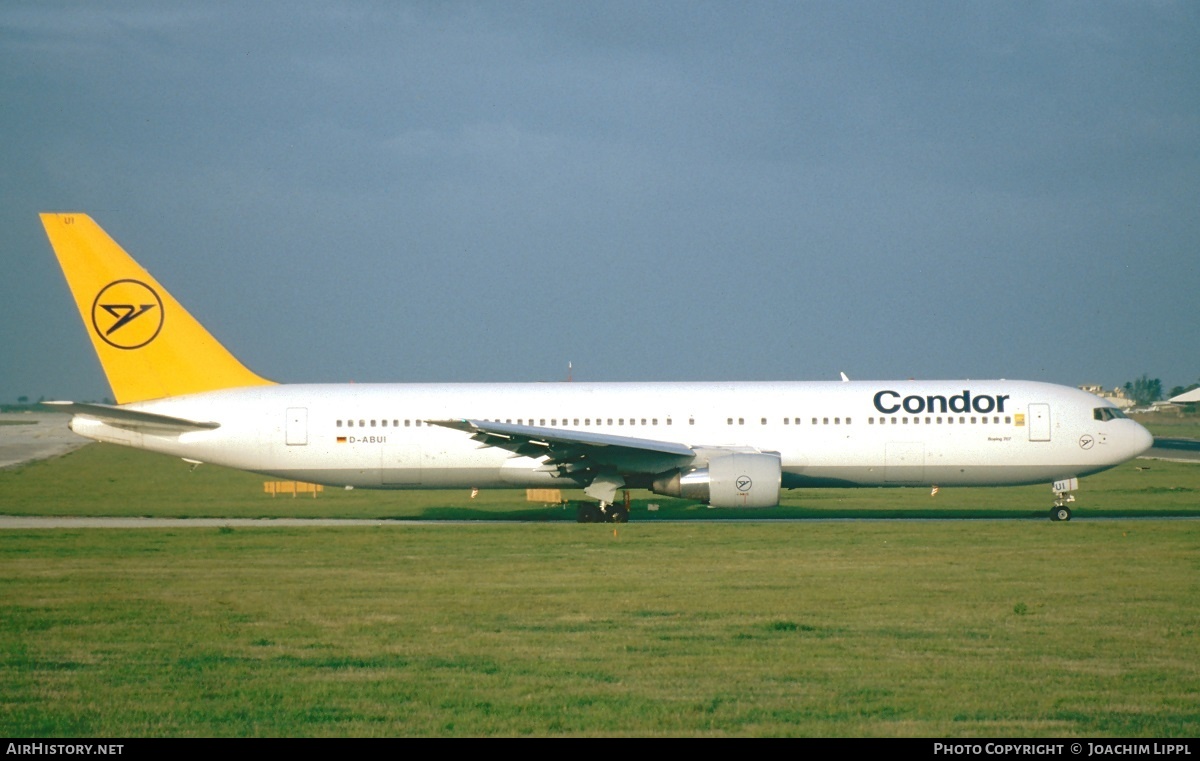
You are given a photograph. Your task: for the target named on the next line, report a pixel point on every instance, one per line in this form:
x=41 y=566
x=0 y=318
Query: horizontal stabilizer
x=134 y=420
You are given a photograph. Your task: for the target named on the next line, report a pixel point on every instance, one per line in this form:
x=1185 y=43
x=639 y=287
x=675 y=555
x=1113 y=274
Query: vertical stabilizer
x=148 y=344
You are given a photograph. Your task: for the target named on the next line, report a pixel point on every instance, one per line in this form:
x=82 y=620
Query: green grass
x=982 y=628
x=542 y=626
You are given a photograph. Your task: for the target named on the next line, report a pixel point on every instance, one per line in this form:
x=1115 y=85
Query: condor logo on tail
x=127 y=314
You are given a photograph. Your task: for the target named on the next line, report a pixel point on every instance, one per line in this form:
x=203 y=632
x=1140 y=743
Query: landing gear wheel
x=618 y=514
x=1060 y=513
x=588 y=512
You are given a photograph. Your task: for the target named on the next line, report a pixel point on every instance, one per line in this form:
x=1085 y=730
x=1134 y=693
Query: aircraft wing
x=578 y=455
x=133 y=420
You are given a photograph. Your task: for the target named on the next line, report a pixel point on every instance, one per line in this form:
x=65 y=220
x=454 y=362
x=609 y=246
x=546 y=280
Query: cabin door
x=1039 y=422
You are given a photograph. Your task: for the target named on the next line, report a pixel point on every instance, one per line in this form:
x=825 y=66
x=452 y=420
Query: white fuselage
x=861 y=433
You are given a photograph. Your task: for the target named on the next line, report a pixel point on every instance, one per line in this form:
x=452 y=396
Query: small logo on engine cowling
x=743 y=483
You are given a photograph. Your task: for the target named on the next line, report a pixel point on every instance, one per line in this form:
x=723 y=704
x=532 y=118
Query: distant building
x=1187 y=397
x=1116 y=396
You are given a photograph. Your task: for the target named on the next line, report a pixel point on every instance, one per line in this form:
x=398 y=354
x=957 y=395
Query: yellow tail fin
x=149 y=346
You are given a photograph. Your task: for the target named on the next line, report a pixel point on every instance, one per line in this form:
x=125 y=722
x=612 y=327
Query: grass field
x=1013 y=627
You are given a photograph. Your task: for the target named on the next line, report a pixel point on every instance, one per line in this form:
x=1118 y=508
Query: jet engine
x=736 y=479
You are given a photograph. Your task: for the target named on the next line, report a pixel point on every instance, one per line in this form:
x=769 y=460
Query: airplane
x=726 y=444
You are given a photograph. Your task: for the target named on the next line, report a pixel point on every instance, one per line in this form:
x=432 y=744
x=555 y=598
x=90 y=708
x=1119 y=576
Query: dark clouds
x=462 y=191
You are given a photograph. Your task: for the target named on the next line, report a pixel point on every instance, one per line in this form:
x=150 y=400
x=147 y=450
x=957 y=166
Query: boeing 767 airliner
x=180 y=392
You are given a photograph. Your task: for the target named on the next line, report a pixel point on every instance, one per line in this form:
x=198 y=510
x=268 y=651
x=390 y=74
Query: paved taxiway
x=29 y=436
x=1181 y=450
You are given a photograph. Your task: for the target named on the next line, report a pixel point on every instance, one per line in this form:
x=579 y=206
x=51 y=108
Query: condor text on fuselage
x=984 y=404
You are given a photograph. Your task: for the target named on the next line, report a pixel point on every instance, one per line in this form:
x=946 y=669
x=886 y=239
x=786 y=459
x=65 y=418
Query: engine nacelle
x=737 y=479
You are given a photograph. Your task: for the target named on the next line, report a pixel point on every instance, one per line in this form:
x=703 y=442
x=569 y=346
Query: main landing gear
x=603 y=512
x=599 y=512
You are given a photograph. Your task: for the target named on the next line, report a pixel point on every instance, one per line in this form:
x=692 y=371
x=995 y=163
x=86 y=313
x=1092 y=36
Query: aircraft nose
x=1141 y=440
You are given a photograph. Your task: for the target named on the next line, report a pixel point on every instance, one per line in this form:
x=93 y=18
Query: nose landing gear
x=1062 y=498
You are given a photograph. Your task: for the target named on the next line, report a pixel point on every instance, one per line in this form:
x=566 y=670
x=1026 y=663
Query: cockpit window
x=1107 y=413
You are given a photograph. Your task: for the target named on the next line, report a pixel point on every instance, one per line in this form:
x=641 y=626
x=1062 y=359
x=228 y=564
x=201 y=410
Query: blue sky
x=651 y=190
